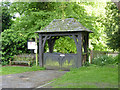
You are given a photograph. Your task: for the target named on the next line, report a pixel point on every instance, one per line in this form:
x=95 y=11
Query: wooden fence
x=94 y=54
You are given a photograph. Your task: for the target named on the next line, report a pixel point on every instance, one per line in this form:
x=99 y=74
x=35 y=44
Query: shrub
x=86 y=64
x=12 y=44
x=104 y=60
x=4 y=63
x=117 y=59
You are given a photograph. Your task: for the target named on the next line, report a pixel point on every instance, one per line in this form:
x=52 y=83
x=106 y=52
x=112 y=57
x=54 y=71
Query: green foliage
x=0 y=56
x=27 y=7
x=27 y=25
x=13 y=43
x=112 y=25
x=35 y=16
x=117 y=59
x=14 y=40
x=105 y=60
x=86 y=64
x=6 y=17
x=65 y=45
x=3 y=63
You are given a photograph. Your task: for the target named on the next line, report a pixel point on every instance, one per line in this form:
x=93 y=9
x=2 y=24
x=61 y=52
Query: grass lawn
x=89 y=77
x=17 y=69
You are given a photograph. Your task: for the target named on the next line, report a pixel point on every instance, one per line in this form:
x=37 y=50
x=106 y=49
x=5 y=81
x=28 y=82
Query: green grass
x=89 y=77
x=17 y=69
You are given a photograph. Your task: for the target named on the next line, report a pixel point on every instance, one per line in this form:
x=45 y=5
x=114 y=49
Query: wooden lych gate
x=56 y=29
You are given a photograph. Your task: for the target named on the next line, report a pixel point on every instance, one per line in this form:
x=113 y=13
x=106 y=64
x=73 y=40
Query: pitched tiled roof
x=66 y=25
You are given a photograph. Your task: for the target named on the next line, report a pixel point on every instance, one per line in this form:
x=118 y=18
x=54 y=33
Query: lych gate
x=57 y=28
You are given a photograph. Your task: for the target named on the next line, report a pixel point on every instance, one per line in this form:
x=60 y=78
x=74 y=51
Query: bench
x=23 y=59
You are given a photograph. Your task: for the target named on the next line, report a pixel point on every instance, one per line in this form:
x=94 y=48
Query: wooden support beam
x=51 y=43
x=86 y=44
x=60 y=34
x=78 y=42
x=36 y=51
x=44 y=41
x=79 y=50
x=75 y=40
x=40 y=51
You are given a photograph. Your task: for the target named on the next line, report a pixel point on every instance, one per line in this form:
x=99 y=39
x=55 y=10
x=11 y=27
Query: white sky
x=17 y=15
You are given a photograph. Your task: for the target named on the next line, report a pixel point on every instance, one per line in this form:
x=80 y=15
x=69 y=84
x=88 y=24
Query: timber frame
x=81 y=39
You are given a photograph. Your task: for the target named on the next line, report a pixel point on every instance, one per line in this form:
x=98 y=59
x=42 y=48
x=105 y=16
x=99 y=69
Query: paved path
x=29 y=79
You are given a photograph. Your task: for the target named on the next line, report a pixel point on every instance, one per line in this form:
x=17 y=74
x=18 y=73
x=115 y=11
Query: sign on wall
x=31 y=45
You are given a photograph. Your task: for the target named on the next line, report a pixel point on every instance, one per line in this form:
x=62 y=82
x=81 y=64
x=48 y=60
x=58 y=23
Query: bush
x=86 y=64
x=104 y=60
x=12 y=44
x=4 y=63
x=117 y=59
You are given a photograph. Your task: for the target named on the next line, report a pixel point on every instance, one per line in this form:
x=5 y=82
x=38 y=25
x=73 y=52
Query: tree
x=38 y=15
x=35 y=16
x=112 y=26
x=6 y=17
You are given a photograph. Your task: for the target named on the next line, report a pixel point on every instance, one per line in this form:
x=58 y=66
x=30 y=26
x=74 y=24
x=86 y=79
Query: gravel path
x=29 y=79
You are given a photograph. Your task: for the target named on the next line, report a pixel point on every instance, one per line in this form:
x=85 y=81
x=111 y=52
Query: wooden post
x=87 y=46
x=40 y=51
x=91 y=56
x=79 y=50
x=10 y=63
x=36 y=51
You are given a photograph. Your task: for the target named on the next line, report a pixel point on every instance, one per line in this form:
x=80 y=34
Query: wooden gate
x=60 y=61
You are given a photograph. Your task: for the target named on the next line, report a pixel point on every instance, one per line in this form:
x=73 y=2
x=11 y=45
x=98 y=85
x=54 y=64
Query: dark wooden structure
x=67 y=27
